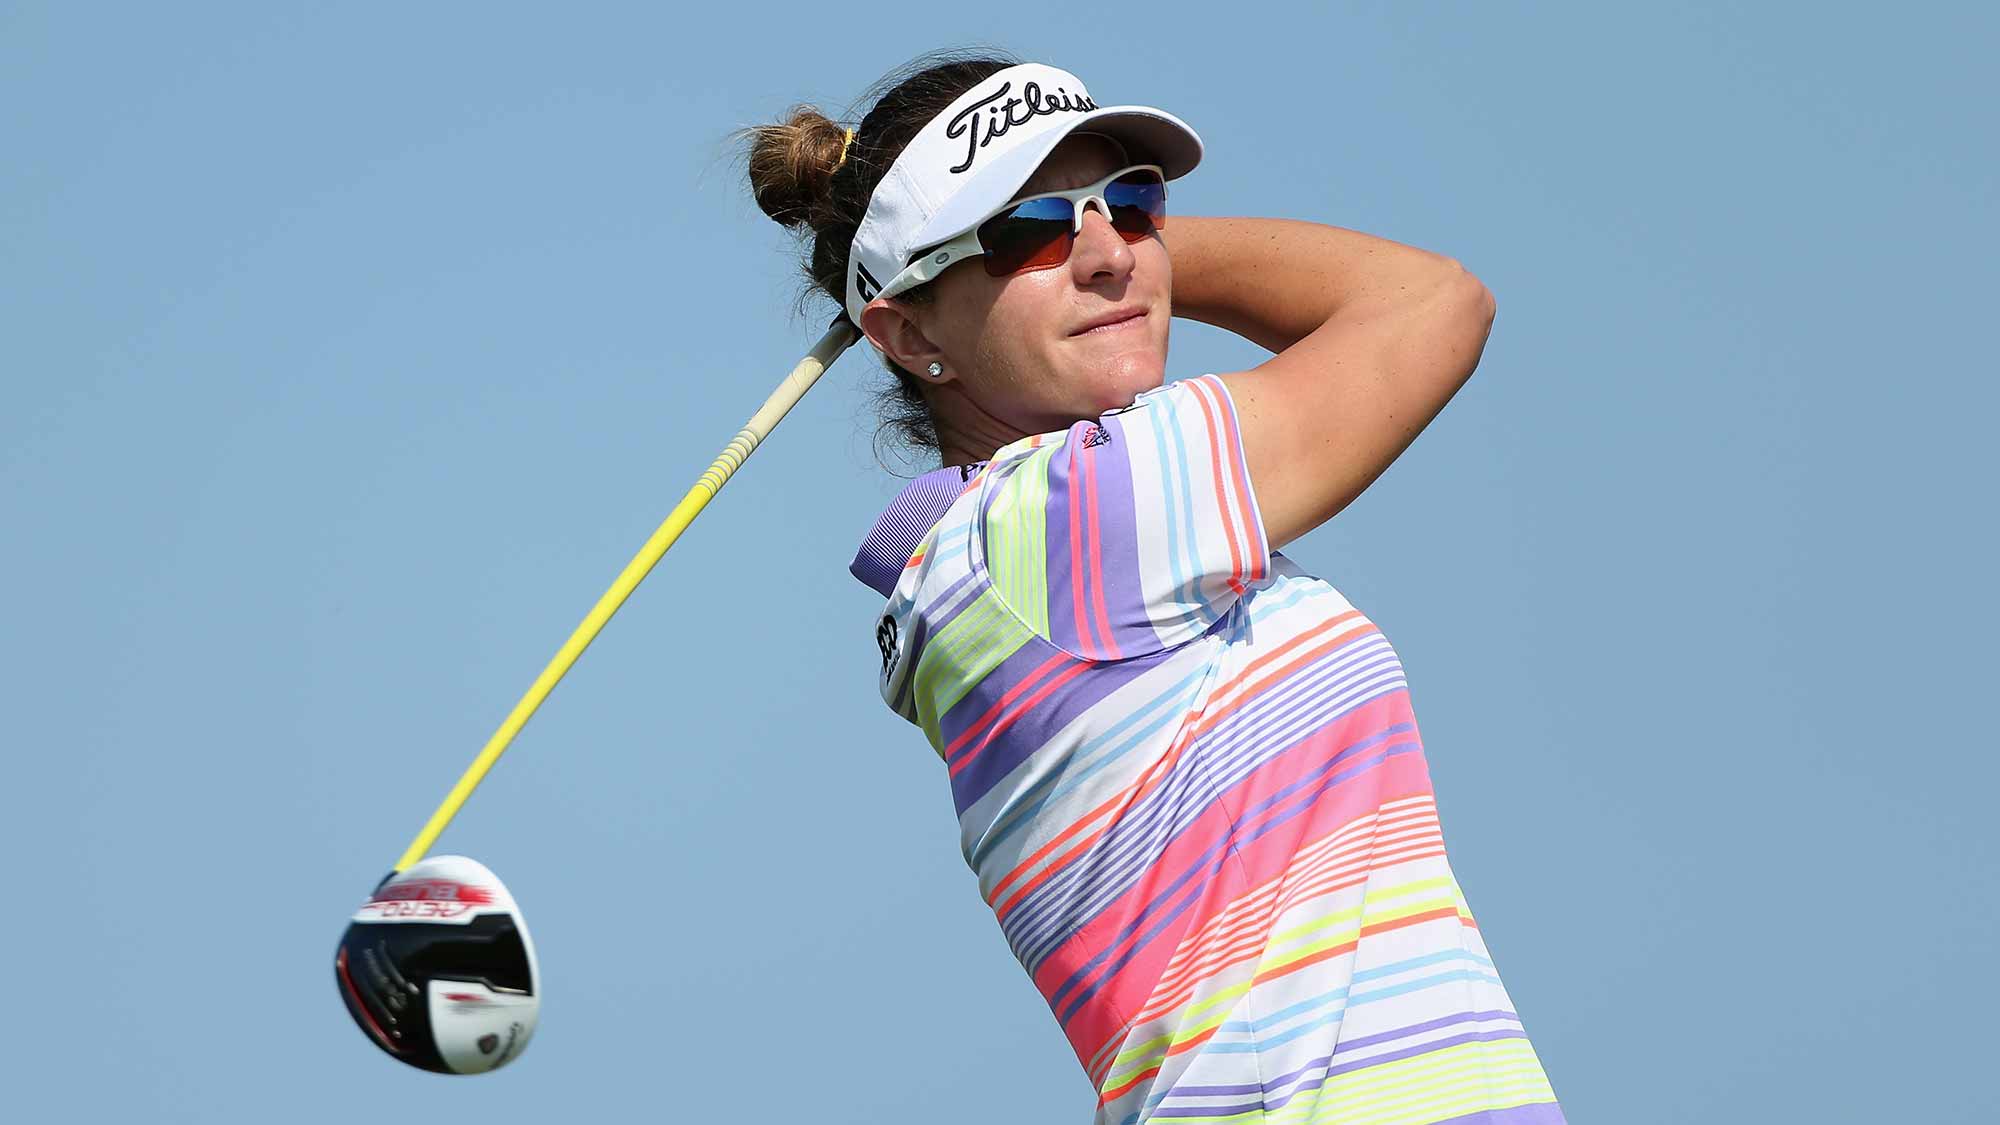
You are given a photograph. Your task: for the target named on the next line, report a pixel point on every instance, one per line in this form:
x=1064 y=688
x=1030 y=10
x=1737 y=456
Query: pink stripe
x=1096 y=1020
x=1245 y=939
x=1239 y=475
x=1076 y=568
x=1242 y=550
x=1402 y=776
x=1343 y=857
x=1132 y=987
x=1252 y=864
x=1237 y=472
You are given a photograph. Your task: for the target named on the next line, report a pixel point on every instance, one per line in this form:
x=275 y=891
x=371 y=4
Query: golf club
x=436 y=967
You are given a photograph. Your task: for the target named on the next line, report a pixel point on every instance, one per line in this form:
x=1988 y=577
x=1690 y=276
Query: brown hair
x=799 y=179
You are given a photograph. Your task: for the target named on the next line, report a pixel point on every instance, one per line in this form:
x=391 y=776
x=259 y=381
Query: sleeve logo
x=885 y=639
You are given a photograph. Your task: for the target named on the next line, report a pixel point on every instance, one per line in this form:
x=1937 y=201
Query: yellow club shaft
x=837 y=339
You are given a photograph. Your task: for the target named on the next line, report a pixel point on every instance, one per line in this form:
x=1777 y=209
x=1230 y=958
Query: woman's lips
x=1130 y=320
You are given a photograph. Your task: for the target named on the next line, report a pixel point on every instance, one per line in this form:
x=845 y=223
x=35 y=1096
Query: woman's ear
x=888 y=324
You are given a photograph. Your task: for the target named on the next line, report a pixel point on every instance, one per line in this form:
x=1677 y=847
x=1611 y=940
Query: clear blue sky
x=347 y=356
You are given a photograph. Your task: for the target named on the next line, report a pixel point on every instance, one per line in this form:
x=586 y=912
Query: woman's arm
x=1373 y=338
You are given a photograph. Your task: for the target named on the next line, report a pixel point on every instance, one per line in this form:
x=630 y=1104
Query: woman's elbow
x=1462 y=311
x=1470 y=296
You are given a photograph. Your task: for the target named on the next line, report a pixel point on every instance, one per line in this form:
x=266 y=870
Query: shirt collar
x=922 y=503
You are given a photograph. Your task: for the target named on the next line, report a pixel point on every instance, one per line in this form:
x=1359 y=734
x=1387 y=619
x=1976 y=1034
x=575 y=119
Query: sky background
x=347 y=356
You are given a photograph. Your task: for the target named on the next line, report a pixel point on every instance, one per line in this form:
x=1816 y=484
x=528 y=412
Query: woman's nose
x=1099 y=251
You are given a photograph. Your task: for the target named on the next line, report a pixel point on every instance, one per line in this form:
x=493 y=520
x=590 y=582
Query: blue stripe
x=1270 y=1021
x=1183 y=554
x=1357 y=1000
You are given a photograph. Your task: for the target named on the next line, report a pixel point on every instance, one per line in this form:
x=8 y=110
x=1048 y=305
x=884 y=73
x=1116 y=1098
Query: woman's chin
x=1120 y=378
x=1134 y=356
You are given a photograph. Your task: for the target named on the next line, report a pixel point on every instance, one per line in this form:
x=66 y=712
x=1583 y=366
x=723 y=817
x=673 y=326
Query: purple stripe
x=1269 y=1104
x=1105 y=546
x=1540 y=1113
x=1307 y=702
x=1034 y=730
x=1120 y=569
x=1353 y=1065
x=1420 y=1028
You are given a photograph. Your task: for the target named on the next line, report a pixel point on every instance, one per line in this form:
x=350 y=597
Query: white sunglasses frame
x=937 y=259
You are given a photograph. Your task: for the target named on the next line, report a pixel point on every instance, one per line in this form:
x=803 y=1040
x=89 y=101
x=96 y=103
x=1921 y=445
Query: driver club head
x=437 y=969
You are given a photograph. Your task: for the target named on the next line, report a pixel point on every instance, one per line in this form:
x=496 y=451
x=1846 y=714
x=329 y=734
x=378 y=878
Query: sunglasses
x=1038 y=232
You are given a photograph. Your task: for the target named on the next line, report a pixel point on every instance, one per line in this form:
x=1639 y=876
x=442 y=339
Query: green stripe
x=960 y=655
x=1017 y=524
x=1374 y=907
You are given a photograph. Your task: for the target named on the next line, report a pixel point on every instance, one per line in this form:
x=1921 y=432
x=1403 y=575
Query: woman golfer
x=1186 y=772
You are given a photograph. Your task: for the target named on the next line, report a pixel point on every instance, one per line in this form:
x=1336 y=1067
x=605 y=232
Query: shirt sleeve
x=1130 y=534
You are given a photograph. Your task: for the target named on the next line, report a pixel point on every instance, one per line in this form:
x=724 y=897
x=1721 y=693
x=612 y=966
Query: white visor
x=969 y=160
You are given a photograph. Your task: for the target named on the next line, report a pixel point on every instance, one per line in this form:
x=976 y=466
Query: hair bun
x=792 y=165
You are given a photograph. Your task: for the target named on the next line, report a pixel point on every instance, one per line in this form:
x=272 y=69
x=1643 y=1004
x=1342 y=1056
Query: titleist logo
x=1005 y=115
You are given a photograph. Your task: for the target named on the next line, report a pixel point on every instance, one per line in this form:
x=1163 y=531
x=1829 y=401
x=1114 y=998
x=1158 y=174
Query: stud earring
x=937 y=370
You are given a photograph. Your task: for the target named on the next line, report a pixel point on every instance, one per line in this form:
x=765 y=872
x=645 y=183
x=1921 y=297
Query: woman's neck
x=966 y=432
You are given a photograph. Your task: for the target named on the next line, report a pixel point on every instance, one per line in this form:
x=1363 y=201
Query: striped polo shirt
x=1189 y=781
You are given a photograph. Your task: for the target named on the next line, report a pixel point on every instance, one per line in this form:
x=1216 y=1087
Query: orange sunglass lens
x=1037 y=233
x=1015 y=241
